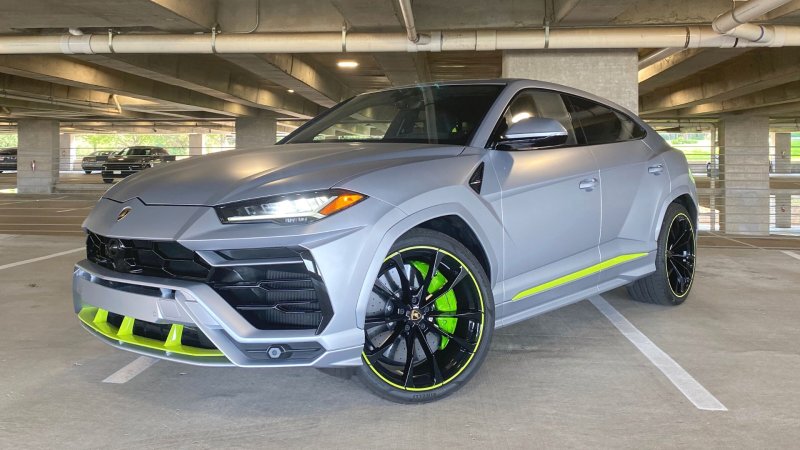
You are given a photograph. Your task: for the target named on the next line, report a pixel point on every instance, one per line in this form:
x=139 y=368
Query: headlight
x=289 y=209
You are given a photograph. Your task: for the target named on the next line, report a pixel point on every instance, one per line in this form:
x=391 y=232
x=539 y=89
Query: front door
x=550 y=205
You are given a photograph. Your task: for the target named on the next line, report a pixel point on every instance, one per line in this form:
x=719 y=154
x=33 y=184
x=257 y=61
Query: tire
x=672 y=281
x=108 y=180
x=87 y=172
x=449 y=325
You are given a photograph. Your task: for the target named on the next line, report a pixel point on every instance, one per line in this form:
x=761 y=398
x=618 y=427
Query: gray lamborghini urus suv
x=391 y=235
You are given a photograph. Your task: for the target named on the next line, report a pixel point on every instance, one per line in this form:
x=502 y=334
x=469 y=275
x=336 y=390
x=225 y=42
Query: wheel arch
x=683 y=197
x=438 y=218
x=457 y=228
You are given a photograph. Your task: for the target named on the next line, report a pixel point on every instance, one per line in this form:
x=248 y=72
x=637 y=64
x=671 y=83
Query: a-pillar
x=256 y=131
x=38 y=156
x=195 y=144
x=744 y=174
x=611 y=74
x=783 y=165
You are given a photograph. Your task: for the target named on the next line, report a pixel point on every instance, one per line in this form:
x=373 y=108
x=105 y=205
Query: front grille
x=272 y=289
x=122 y=166
x=165 y=259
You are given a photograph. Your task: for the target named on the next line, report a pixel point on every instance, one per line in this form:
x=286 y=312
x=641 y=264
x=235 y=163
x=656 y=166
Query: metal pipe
x=657 y=56
x=744 y=13
x=334 y=42
x=735 y=22
x=408 y=20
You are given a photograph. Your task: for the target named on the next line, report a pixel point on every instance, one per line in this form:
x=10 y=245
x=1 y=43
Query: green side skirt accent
x=97 y=320
x=578 y=275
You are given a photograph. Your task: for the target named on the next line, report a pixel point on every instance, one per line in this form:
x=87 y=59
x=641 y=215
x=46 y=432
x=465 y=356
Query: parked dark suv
x=8 y=159
x=96 y=160
x=133 y=159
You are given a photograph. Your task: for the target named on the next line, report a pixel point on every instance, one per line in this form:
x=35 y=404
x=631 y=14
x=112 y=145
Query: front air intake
x=271 y=288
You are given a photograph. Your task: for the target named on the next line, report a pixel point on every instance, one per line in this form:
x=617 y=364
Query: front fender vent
x=476 y=180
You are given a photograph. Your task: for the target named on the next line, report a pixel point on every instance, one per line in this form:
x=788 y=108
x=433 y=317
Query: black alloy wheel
x=427 y=320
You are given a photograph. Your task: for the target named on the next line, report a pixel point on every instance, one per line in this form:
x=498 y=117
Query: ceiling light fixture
x=291 y=91
x=347 y=64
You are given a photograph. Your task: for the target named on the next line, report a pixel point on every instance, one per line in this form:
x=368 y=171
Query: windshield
x=446 y=114
x=135 y=151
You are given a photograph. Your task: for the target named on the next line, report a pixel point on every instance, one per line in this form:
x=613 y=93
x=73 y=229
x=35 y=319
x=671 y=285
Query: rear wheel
x=87 y=172
x=675 y=262
x=429 y=321
x=108 y=180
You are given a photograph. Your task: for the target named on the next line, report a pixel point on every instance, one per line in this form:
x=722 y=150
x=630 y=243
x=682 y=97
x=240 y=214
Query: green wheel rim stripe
x=480 y=331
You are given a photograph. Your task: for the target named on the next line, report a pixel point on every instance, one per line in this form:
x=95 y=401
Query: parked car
x=96 y=160
x=133 y=159
x=393 y=253
x=8 y=159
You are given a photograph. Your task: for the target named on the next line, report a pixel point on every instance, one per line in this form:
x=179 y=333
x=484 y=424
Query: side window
x=598 y=124
x=537 y=103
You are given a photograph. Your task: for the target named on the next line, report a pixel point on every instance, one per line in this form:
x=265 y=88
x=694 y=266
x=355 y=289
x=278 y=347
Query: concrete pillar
x=783 y=152
x=256 y=131
x=611 y=74
x=783 y=210
x=783 y=165
x=38 y=156
x=744 y=174
x=67 y=153
x=195 y=144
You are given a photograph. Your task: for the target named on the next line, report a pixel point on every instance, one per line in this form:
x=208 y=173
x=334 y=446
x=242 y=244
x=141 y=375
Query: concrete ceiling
x=186 y=90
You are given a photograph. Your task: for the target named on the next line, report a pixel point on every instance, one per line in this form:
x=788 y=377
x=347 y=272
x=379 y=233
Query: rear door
x=633 y=181
x=550 y=207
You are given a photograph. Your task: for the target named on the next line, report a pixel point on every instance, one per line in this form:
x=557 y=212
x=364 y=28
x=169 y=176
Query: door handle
x=656 y=170
x=588 y=184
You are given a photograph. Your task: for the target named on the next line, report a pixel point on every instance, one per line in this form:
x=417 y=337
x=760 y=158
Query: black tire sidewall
x=662 y=284
x=424 y=237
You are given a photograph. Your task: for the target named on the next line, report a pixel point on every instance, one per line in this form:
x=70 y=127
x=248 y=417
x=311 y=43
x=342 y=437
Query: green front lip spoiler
x=97 y=319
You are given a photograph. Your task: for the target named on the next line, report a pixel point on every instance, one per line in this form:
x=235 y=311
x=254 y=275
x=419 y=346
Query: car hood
x=244 y=174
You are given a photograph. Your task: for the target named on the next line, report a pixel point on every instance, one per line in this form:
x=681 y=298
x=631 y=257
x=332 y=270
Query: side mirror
x=533 y=132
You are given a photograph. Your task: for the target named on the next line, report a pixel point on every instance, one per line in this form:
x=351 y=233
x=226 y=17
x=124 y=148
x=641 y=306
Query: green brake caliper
x=445 y=303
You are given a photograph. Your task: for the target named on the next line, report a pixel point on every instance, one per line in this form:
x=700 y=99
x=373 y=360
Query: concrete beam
x=200 y=12
x=682 y=65
x=779 y=95
x=659 y=12
x=404 y=68
x=747 y=74
x=78 y=73
x=211 y=76
x=292 y=72
x=574 y=12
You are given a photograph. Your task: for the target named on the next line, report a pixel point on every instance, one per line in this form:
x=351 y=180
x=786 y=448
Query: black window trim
x=492 y=142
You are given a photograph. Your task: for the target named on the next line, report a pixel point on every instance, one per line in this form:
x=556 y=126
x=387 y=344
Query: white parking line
x=34 y=200
x=73 y=209
x=41 y=258
x=127 y=373
x=791 y=253
x=694 y=391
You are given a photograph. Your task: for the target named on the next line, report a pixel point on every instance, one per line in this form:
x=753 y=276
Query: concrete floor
x=565 y=379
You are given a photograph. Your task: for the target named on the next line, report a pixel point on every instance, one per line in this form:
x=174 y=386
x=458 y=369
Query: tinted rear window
x=599 y=124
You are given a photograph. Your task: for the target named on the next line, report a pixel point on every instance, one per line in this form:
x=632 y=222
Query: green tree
x=8 y=140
